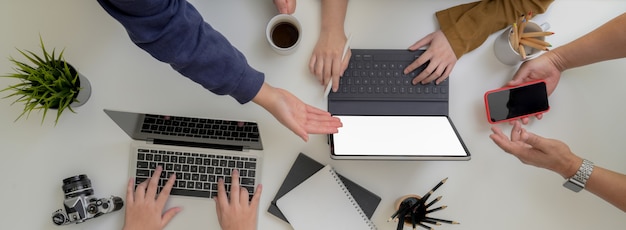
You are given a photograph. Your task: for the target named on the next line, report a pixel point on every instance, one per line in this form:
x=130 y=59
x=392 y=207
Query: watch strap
x=579 y=180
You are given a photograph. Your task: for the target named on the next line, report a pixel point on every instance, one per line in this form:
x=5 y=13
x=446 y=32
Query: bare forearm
x=608 y=185
x=265 y=96
x=604 y=43
x=333 y=15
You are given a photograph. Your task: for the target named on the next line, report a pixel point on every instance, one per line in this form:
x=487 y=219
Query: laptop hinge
x=197 y=145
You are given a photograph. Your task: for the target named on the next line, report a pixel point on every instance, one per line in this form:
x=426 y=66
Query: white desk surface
x=491 y=191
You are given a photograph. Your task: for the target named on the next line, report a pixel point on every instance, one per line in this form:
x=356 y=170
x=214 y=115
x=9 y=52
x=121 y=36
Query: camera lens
x=76 y=186
x=118 y=203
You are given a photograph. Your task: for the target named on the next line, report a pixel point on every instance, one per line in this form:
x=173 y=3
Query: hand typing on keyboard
x=144 y=208
x=237 y=212
x=440 y=54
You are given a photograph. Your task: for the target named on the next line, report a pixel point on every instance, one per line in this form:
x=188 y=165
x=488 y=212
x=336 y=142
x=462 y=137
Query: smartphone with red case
x=515 y=102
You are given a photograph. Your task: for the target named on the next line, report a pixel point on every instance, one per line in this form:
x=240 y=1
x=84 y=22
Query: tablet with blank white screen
x=397 y=138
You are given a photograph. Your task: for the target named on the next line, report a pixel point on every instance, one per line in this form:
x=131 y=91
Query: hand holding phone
x=515 y=102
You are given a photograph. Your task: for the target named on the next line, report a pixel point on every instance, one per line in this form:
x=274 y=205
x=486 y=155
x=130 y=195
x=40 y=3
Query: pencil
x=511 y=38
x=538 y=42
x=524 y=22
x=343 y=55
x=413 y=219
x=404 y=206
x=429 y=193
x=537 y=34
x=431 y=222
x=533 y=45
x=424 y=226
x=522 y=52
x=439 y=184
x=442 y=220
x=402 y=214
x=433 y=202
x=437 y=209
x=521 y=27
x=515 y=43
x=400 y=225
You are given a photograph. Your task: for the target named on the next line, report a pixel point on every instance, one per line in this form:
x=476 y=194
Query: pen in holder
x=414 y=210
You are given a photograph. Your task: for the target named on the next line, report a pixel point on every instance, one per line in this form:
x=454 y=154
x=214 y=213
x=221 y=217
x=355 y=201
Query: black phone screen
x=516 y=102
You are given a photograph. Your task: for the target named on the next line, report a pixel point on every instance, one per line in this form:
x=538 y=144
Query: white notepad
x=323 y=202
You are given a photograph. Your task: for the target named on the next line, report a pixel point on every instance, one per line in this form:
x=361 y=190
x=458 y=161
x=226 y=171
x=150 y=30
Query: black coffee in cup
x=284 y=35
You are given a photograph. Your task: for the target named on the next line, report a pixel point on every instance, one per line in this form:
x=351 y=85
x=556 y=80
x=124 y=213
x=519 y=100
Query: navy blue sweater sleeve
x=174 y=32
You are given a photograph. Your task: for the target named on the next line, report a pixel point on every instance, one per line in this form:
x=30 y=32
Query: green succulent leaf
x=46 y=82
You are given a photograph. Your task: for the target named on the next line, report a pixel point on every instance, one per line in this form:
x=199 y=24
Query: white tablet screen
x=397 y=135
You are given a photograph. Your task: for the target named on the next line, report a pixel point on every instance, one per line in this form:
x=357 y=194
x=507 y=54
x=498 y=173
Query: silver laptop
x=386 y=117
x=199 y=151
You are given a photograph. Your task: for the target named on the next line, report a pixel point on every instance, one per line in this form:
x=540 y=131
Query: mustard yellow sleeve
x=467 y=26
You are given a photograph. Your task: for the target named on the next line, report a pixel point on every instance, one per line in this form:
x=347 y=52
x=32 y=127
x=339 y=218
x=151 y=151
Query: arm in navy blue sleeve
x=174 y=32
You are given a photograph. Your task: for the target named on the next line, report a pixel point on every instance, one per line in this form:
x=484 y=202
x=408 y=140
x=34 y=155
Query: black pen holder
x=408 y=201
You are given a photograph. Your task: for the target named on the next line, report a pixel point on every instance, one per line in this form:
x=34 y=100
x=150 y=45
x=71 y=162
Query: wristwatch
x=578 y=181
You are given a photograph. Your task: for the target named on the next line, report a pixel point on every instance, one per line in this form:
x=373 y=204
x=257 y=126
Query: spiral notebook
x=323 y=202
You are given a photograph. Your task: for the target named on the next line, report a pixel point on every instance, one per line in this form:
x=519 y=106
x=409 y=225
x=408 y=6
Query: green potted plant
x=48 y=83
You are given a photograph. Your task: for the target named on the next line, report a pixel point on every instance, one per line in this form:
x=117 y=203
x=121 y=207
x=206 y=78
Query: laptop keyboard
x=379 y=75
x=201 y=128
x=196 y=173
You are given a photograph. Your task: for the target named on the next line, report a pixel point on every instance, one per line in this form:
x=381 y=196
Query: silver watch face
x=573 y=185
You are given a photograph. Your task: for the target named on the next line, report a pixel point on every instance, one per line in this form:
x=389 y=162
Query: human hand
x=299 y=117
x=326 y=61
x=538 y=151
x=440 y=54
x=541 y=68
x=237 y=213
x=285 y=6
x=144 y=208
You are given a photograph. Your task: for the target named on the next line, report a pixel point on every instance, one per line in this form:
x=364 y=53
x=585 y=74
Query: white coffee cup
x=507 y=54
x=284 y=33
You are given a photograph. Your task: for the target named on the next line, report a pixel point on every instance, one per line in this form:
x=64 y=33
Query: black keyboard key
x=142 y=164
x=138 y=180
x=247 y=181
x=250 y=189
x=250 y=165
x=142 y=173
x=149 y=120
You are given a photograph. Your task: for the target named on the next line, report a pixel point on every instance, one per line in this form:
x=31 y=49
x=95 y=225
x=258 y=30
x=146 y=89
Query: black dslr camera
x=80 y=203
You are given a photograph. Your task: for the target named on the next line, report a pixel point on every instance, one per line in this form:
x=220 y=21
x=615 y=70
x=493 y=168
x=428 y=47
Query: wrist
x=571 y=167
x=578 y=181
x=557 y=58
x=262 y=98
